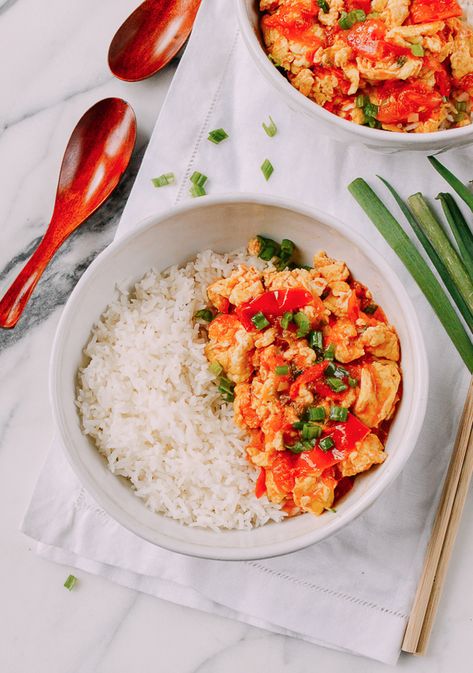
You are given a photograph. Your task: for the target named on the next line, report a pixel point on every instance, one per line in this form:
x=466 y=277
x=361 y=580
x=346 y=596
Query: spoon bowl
x=95 y=159
x=150 y=37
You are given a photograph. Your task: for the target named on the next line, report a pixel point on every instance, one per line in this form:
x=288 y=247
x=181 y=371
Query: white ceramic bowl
x=223 y=224
x=330 y=124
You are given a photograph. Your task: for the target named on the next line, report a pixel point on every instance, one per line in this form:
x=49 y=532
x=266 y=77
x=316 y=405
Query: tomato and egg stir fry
x=311 y=365
x=399 y=65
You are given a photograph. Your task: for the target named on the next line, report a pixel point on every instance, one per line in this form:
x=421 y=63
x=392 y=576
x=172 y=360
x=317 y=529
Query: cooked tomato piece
x=411 y=98
x=346 y=435
x=365 y=5
x=367 y=39
x=310 y=375
x=260 y=488
x=314 y=461
x=283 y=470
x=424 y=11
x=466 y=83
x=442 y=80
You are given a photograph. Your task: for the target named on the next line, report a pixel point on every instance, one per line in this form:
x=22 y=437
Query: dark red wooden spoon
x=96 y=157
x=151 y=37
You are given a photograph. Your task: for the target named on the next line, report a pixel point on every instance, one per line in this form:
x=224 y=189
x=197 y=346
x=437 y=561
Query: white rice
x=150 y=403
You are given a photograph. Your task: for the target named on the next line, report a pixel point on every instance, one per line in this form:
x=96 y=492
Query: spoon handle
x=19 y=292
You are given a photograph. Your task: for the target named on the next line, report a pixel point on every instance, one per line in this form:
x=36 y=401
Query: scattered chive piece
x=283 y=370
x=216 y=136
x=331 y=509
x=299 y=447
x=198 y=178
x=397 y=238
x=461 y=105
x=204 y=314
x=260 y=321
x=303 y=324
x=445 y=250
x=286 y=251
x=347 y=21
x=335 y=384
x=435 y=258
x=197 y=190
x=311 y=431
x=330 y=369
x=298 y=425
x=370 y=309
x=216 y=368
x=226 y=388
x=316 y=413
x=329 y=352
x=461 y=189
x=316 y=340
x=417 y=49
x=338 y=414
x=326 y=443
x=286 y=319
x=459 y=227
x=164 y=179
x=324 y=6
x=270 y=129
x=70 y=582
x=268 y=249
x=267 y=169
x=352 y=382
x=361 y=100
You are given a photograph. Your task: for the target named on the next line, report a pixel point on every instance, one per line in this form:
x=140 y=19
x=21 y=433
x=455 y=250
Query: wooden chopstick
x=443 y=535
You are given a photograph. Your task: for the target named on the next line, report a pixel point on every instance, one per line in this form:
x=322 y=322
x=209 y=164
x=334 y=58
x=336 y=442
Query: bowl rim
x=217 y=552
x=365 y=133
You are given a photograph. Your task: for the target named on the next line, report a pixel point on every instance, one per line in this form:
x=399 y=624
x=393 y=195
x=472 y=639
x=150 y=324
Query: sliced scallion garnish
x=347 y=21
x=324 y=6
x=311 y=431
x=270 y=129
x=397 y=238
x=316 y=413
x=338 y=414
x=226 y=388
x=303 y=324
x=316 y=340
x=259 y=320
x=215 y=368
x=70 y=582
x=198 y=178
x=417 y=50
x=352 y=382
x=164 y=179
x=370 y=309
x=282 y=370
x=217 y=135
x=268 y=248
x=267 y=169
x=204 y=314
x=286 y=319
x=326 y=443
x=285 y=253
x=336 y=384
x=197 y=190
x=329 y=352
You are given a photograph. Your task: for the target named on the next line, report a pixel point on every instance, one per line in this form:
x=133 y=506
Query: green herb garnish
x=303 y=324
x=204 y=314
x=70 y=582
x=283 y=370
x=347 y=21
x=286 y=319
x=326 y=443
x=270 y=129
x=267 y=169
x=164 y=179
x=260 y=321
x=217 y=136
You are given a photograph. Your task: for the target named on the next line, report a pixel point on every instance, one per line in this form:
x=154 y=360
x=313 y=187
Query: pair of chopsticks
x=444 y=532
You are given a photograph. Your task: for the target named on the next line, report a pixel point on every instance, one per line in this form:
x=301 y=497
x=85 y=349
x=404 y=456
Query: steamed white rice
x=150 y=403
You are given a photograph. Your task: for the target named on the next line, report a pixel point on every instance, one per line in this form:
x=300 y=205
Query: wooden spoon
x=96 y=157
x=151 y=37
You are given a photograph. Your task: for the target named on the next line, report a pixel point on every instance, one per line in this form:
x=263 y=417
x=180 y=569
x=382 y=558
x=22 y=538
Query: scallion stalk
x=459 y=227
x=434 y=257
x=397 y=238
x=456 y=184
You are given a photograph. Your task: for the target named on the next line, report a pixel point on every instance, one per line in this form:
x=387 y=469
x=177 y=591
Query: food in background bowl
x=399 y=65
x=306 y=359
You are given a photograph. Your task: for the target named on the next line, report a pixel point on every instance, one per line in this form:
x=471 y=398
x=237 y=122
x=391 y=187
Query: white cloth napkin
x=352 y=592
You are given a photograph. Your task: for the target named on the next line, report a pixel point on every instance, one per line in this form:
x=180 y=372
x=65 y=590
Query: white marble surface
x=53 y=68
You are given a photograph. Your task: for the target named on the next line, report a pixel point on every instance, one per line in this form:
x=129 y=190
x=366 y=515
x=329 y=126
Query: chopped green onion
x=70 y=582
x=417 y=49
x=197 y=190
x=226 y=388
x=460 y=105
x=316 y=340
x=267 y=169
x=392 y=231
x=283 y=370
x=204 y=314
x=268 y=248
x=361 y=100
x=352 y=382
x=286 y=319
x=459 y=227
x=335 y=370
x=259 y=320
x=335 y=384
x=216 y=368
x=461 y=189
x=217 y=136
x=326 y=443
x=285 y=253
x=303 y=324
x=370 y=109
x=331 y=509
x=441 y=243
x=311 y=431
x=435 y=258
x=324 y=6
x=299 y=447
x=370 y=309
x=329 y=352
x=338 y=414
x=198 y=178
x=164 y=179
x=347 y=21
x=316 y=413
x=270 y=129
x=330 y=369
x=298 y=425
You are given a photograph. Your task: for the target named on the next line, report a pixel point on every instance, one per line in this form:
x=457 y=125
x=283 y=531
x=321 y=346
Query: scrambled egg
x=400 y=65
x=315 y=369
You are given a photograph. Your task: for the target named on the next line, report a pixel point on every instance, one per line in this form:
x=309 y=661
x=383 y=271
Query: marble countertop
x=56 y=68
